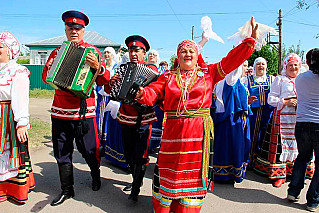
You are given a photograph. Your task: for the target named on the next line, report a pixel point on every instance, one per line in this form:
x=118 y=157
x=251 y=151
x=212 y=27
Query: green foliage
x=123 y=50
x=23 y=61
x=270 y=54
x=171 y=61
x=302 y=4
x=293 y=49
x=41 y=93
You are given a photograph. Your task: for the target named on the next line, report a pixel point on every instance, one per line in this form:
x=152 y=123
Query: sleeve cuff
x=102 y=71
x=23 y=122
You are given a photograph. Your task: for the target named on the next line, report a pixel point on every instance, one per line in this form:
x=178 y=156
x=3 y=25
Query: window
x=42 y=57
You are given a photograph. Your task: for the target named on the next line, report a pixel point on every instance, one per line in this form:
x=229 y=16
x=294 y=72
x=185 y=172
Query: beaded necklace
x=185 y=87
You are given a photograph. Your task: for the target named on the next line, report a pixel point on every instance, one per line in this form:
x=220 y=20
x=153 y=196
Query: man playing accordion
x=136 y=124
x=67 y=124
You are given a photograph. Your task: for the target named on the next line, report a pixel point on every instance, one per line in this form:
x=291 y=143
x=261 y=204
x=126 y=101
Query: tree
x=302 y=4
x=294 y=49
x=270 y=54
x=172 y=61
x=23 y=61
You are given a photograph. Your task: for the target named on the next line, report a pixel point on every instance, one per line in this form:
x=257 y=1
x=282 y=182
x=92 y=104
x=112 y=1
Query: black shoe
x=96 y=179
x=128 y=187
x=96 y=184
x=61 y=198
x=133 y=197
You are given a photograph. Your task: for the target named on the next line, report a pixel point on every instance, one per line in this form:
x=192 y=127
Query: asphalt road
x=254 y=194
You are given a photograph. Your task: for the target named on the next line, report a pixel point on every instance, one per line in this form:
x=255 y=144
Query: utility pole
x=193 y=32
x=279 y=24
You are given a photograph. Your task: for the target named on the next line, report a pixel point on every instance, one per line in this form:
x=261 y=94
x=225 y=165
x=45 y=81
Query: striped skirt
x=17 y=178
x=279 y=148
x=162 y=204
x=17 y=188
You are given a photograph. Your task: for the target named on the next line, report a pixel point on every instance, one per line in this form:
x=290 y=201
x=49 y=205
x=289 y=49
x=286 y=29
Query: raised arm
x=236 y=56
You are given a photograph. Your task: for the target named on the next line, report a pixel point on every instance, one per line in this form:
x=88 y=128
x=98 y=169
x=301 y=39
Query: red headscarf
x=190 y=44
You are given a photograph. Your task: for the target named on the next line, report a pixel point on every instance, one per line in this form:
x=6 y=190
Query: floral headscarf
x=187 y=43
x=11 y=42
x=289 y=58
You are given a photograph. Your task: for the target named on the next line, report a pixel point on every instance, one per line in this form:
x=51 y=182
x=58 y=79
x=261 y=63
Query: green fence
x=35 y=77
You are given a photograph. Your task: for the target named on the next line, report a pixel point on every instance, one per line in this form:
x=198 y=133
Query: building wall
x=35 y=77
x=39 y=55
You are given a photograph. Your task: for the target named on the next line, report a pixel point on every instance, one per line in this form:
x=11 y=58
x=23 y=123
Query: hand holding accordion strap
x=83 y=126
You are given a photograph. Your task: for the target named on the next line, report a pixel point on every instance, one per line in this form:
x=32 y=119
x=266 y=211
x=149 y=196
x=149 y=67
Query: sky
x=164 y=23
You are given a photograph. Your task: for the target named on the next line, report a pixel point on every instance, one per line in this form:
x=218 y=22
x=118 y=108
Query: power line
x=24 y=15
x=295 y=8
x=297 y=22
x=176 y=16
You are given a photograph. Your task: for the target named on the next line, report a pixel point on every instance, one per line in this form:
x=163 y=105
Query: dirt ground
x=254 y=194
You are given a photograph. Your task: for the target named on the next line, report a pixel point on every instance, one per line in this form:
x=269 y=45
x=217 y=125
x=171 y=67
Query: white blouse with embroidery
x=281 y=88
x=14 y=86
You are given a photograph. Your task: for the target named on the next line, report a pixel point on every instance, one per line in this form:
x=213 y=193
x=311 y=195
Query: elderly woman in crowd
x=102 y=98
x=153 y=58
x=181 y=173
x=16 y=176
x=258 y=85
x=108 y=126
x=279 y=148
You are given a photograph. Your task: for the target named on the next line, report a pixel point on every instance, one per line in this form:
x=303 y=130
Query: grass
x=39 y=133
x=41 y=93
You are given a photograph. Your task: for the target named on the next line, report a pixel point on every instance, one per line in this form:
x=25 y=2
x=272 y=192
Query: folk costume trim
x=71 y=113
x=220 y=70
x=8 y=127
x=262 y=87
x=208 y=131
x=185 y=87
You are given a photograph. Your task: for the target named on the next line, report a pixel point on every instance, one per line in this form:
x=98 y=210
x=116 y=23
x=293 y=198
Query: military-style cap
x=137 y=42
x=74 y=18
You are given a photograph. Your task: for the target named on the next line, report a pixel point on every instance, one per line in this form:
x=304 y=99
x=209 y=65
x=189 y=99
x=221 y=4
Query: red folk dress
x=181 y=161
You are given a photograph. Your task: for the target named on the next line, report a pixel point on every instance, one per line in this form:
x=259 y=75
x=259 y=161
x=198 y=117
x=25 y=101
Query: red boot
x=279 y=182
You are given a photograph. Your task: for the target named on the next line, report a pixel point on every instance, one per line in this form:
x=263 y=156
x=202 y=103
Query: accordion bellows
x=131 y=77
x=70 y=72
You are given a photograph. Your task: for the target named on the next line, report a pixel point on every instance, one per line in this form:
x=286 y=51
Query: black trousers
x=64 y=132
x=136 y=141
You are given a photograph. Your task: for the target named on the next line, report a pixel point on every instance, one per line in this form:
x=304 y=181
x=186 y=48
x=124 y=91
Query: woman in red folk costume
x=181 y=175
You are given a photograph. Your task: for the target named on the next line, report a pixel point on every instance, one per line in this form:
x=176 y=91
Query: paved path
x=254 y=194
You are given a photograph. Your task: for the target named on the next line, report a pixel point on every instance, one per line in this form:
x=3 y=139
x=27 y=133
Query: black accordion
x=131 y=77
x=70 y=72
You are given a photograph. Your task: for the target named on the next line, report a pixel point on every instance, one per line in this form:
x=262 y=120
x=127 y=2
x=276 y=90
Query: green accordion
x=70 y=72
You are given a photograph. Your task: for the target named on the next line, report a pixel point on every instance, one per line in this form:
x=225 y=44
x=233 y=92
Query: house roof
x=89 y=36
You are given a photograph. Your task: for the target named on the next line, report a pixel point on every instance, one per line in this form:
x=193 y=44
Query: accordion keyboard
x=69 y=65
